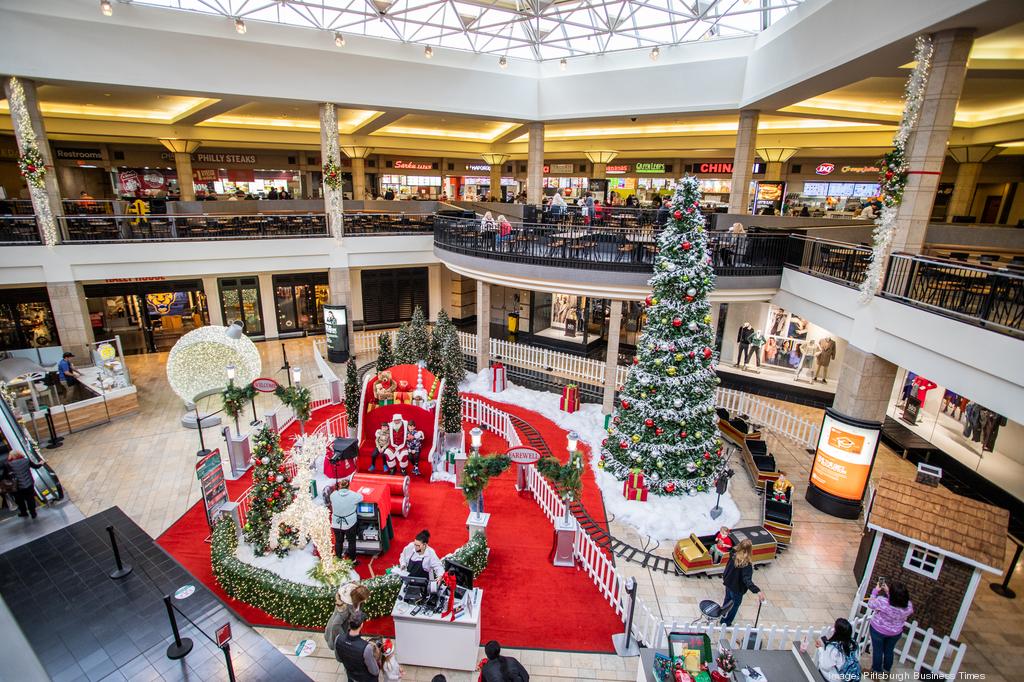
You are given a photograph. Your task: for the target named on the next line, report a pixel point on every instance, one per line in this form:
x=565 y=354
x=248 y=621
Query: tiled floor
x=144 y=464
x=85 y=626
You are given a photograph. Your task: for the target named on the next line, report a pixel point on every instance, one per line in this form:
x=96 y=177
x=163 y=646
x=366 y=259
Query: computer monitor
x=463 y=573
x=415 y=588
x=364 y=508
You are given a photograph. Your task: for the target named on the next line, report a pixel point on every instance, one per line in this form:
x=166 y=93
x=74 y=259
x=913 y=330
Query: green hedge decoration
x=308 y=605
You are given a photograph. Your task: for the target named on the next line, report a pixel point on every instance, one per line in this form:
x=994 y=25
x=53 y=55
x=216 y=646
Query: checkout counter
x=784 y=665
x=429 y=639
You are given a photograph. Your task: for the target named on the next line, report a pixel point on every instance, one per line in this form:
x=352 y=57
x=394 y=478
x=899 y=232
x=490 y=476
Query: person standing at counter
x=420 y=559
x=739 y=579
x=69 y=377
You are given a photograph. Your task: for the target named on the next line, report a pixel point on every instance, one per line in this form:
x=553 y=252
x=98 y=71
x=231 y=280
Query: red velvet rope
x=450 y=582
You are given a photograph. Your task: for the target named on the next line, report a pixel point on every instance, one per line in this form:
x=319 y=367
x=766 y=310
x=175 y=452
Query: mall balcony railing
x=595 y=247
x=992 y=298
x=159 y=227
x=368 y=224
x=19 y=230
x=609 y=216
x=839 y=262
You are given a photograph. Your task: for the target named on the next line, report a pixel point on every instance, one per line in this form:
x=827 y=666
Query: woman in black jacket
x=738 y=579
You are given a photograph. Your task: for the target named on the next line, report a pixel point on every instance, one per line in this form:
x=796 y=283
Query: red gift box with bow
x=570 y=400
x=499 y=380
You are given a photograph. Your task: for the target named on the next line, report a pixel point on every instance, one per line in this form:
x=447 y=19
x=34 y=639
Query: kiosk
x=435 y=642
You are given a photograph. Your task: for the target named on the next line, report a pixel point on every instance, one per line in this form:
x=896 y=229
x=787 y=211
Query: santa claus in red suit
x=396 y=453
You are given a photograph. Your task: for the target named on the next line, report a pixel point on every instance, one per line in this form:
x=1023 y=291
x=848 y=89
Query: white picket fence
x=770 y=417
x=919 y=647
x=335 y=427
x=366 y=343
x=323 y=367
x=476 y=411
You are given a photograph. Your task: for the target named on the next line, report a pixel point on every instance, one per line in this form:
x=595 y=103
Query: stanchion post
x=227 y=661
x=121 y=570
x=203 y=452
x=1003 y=589
x=181 y=646
x=624 y=643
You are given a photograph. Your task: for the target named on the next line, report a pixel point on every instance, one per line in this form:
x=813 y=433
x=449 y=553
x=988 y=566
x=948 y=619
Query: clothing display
x=808 y=352
x=826 y=354
x=754 y=349
x=990 y=423
x=743 y=337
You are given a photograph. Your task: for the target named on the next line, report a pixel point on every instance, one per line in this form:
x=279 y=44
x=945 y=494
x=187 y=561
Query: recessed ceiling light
x=106 y=8
x=240 y=26
x=563 y=64
x=655 y=53
x=428 y=52
x=503 y=62
x=339 y=40
x=106 y=94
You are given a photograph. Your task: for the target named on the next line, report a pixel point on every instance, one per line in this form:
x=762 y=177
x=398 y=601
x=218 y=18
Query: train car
x=693 y=556
x=759 y=463
x=777 y=515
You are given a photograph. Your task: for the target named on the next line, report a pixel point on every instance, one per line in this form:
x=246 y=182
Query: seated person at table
x=420 y=560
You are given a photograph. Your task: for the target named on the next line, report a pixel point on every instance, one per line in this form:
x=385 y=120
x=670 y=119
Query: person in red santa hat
x=397 y=450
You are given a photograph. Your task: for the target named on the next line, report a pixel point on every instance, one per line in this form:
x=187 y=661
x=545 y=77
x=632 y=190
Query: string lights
x=31 y=163
x=195 y=365
x=331 y=169
x=895 y=171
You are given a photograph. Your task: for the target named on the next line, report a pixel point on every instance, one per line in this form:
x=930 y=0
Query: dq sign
x=264 y=385
x=825 y=168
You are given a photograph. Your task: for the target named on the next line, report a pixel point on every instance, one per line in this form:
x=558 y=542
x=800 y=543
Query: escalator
x=47 y=484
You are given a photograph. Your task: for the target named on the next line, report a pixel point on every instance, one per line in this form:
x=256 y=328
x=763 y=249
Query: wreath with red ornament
x=332 y=175
x=32 y=167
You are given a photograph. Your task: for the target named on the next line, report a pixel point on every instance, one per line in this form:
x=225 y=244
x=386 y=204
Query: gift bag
x=499 y=381
x=570 y=400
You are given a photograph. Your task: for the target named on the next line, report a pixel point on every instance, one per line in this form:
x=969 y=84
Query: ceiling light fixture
x=428 y=52
x=106 y=9
x=655 y=53
x=339 y=40
x=503 y=62
x=240 y=26
x=563 y=64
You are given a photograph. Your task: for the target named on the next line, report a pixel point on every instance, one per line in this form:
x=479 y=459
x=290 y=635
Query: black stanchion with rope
x=181 y=646
x=226 y=648
x=122 y=570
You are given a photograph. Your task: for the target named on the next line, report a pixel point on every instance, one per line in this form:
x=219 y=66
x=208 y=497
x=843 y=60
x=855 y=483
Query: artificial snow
x=663 y=518
x=294 y=566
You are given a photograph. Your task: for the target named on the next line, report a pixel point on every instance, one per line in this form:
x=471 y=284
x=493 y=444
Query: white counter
x=428 y=640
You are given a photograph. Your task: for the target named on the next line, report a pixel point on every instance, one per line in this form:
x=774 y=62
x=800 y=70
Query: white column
x=71 y=315
x=743 y=162
x=495 y=190
x=329 y=151
x=483 y=325
x=963 y=190
x=611 y=363
x=213 y=301
x=535 y=165
x=926 y=148
x=183 y=167
x=358 y=179
x=270 y=330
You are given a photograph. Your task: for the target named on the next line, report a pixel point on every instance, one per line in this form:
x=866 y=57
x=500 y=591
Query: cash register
x=369 y=539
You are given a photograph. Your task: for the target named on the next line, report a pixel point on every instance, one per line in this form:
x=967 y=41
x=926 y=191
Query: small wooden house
x=936 y=543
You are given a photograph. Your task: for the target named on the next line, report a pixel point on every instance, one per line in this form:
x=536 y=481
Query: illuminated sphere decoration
x=196 y=364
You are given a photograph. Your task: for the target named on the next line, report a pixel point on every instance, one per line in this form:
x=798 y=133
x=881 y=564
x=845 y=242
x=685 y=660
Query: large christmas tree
x=272 y=490
x=665 y=423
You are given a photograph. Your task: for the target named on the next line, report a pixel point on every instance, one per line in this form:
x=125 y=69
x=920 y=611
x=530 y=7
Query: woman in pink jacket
x=892 y=607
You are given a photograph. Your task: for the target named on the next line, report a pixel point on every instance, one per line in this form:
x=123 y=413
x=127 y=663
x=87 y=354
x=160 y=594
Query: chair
x=959 y=255
x=763 y=460
x=988 y=258
x=777 y=515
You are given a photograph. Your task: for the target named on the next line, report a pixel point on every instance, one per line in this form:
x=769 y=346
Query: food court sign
x=413 y=165
x=650 y=167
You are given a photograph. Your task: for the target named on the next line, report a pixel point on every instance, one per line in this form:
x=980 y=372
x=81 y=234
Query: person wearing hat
x=389 y=661
x=420 y=559
x=345 y=519
x=347 y=601
x=68 y=376
x=357 y=655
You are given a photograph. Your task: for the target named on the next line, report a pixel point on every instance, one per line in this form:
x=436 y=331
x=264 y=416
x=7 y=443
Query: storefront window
x=26 y=320
x=299 y=300
x=240 y=300
x=148 y=316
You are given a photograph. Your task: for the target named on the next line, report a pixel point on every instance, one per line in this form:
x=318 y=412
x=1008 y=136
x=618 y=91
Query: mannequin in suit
x=743 y=337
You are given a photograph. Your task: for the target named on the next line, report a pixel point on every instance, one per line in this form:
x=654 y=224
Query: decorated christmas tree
x=438 y=337
x=272 y=491
x=419 y=336
x=665 y=426
x=352 y=394
x=404 y=354
x=385 y=356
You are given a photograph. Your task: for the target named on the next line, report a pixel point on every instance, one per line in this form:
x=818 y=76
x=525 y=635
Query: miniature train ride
x=693 y=554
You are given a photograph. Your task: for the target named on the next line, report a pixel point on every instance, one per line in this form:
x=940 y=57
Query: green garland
x=32 y=167
x=565 y=477
x=235 y=397
x=332 y=175
x=311 y=605
x=478 y=471
x=298 y=398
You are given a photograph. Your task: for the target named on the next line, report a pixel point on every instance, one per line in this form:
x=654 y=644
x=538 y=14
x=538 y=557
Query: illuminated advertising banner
x=842 y=463
x=336 y=330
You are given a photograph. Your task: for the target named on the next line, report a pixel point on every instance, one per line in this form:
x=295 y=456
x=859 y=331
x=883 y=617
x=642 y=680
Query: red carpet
x=527 y=601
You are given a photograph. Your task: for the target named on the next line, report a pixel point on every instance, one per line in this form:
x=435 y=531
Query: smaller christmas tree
x=455 y=366
x=419 y=336
x=385 y=356
x=438 y=336
x=451 y=408
x=403 y=346
x=272 y=491
x=352 y=394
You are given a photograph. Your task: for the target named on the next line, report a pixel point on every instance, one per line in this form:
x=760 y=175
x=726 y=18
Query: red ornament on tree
x=648 y=300
x=271 y=478
x=682 y=434
x=687 y=246
x=688 y=299
x=624 y=444
x=670 y=487
x=707 y=353
x=625 y=404
x=658 y=431
x=692 y=355
x=677 y=322
x=636 y=361
x=678 y=215
x=604 y=442
x=649 y=423
x=707 y=455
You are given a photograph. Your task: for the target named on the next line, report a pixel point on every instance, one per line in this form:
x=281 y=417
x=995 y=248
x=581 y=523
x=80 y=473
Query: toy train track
x=593 y=528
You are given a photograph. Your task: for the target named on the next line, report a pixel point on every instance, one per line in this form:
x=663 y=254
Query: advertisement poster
x=336 y=329
x=846 y=450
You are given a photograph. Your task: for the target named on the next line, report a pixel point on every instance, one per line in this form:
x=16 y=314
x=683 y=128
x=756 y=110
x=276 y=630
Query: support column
x=213 y=306
x=535 y=165
x=967 y=173
x=773 y=171
x=743 y=162
x=483 y=325
x=339 y=281
x=865 y=385
x=611 y=362
x=495 y=190
x=330 y=153
x=926 y=148
x=29 y=130
x=183 y=167
x=358 y=179
x=269 y=309
x=71 y=315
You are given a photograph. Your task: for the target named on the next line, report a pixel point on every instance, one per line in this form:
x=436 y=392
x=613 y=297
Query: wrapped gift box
x=636 y=478
x=499 y=381
x=633 y=492
x=570 y=400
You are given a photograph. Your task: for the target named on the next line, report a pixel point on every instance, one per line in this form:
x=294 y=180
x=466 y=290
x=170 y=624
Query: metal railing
x=986 y=297
x=608 y=216
x=839 y=262
x=20 y=229
x=119 y=228
x=380 y=224
x=594 y=247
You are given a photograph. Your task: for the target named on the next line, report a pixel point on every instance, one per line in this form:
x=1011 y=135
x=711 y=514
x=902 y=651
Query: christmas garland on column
x=331 y=169
x=894 y=170
x=31 y=163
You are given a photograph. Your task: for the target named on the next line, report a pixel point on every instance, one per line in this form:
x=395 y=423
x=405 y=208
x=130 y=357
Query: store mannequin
x=826 y=354
x=743 y=337
x=756 y=341
x=809 y=351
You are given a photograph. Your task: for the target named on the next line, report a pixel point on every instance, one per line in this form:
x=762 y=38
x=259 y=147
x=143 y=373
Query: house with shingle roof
x=936 y=543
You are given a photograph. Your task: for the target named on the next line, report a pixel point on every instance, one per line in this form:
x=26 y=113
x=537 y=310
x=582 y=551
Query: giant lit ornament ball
x=198 y=362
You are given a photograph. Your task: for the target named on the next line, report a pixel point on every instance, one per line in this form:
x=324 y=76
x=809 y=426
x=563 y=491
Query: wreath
x=332 y=175
x=32 y=167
